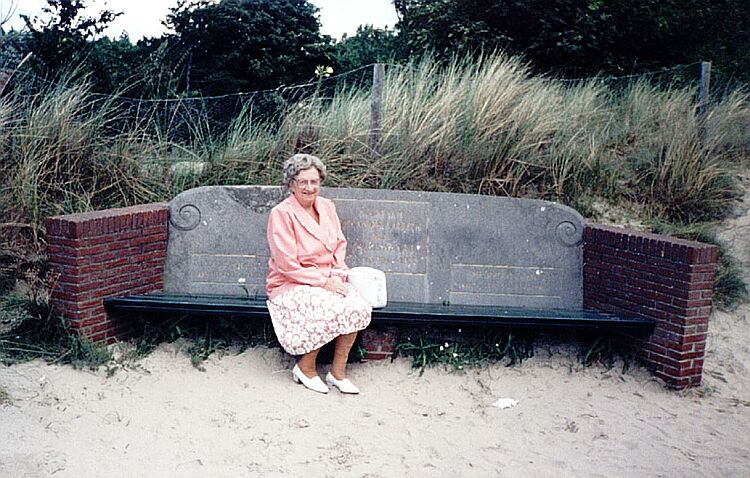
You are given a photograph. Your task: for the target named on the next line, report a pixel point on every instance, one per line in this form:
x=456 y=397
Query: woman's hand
x=336 y=285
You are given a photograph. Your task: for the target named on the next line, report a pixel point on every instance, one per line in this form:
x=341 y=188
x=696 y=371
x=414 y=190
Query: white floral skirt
x=305 y=318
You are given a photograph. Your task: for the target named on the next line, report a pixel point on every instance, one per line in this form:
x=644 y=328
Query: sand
x=243 y=416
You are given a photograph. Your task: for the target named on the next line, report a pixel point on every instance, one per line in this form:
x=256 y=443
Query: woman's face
x=306 y=186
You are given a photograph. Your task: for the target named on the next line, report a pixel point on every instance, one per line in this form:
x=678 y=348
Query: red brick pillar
x=647 y=275
x=102 y=254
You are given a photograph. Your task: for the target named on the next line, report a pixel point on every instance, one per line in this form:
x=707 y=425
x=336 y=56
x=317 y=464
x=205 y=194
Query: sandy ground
x=243 y=416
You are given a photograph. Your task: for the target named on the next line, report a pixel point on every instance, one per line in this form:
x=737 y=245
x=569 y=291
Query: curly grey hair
x=297 y=163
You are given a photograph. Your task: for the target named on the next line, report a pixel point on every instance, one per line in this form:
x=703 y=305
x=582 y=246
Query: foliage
x=368 y=45
x=41 y=334
x=61 y=155
x=245 y=45
x=607 y=349
x=685 y=174
x=111 y=64
x=64 y=38
x=230 y=46
x=465 y=348
x=12 y=49
x=15 y=265
x=583 y=37
x=489 y=126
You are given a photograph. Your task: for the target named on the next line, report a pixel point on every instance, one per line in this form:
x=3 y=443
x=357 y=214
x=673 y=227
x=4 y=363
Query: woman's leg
x=307 y=363
x=341 y=355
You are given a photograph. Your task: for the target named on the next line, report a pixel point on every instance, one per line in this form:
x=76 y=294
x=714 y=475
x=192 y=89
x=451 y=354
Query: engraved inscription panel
x=497 y=283
x=228 y=273
x=389 y=235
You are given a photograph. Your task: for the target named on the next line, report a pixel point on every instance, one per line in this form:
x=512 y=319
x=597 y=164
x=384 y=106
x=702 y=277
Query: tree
x=586 y=35
x=246 y=45
x=368 y=45
x=63 y=40
x=113 y=64
x=6 y=13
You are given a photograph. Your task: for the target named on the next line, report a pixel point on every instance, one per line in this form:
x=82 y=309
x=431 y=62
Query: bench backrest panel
x=433 y=247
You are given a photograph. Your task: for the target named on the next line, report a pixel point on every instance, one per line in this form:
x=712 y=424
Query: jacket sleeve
x=283 y=245
x=339 y=253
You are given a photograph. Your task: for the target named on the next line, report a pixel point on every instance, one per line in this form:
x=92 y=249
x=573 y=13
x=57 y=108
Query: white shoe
x=315 y=384
x=344 y=385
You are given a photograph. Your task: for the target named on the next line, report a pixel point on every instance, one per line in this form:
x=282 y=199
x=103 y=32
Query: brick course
x=102 y=254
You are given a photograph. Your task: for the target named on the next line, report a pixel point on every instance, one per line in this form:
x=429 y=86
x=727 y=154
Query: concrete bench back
x=433 y=247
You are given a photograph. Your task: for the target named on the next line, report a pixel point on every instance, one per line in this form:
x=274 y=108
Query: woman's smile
x=306 y=186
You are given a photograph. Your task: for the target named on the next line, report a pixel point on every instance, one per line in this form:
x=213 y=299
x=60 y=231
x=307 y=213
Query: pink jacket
x=303 y=251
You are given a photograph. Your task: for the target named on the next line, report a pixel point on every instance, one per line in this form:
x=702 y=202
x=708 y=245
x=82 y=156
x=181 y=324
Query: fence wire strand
x=183 y=117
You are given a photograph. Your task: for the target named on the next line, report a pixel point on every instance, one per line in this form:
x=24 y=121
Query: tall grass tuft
x=60 y=156
x=488 y=126
x=684 y=172
x=483 y=126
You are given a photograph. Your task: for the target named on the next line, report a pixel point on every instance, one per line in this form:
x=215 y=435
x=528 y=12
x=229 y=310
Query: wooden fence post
x=376 y=125
x=704 y=86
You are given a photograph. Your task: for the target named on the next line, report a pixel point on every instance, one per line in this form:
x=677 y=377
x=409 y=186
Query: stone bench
x=448 y=258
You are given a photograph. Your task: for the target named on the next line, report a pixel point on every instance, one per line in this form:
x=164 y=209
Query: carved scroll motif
x=568 y=234
x=186 y=218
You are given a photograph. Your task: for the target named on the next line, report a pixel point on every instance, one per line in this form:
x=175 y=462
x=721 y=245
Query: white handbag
x=370 y=283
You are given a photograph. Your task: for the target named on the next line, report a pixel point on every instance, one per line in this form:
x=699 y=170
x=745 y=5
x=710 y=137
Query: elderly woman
x=309 y=298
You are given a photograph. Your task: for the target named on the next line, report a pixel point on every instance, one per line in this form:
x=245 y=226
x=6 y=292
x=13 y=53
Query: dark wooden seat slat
x=395 y=313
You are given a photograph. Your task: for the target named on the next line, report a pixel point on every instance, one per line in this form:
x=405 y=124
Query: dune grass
x=484 y=126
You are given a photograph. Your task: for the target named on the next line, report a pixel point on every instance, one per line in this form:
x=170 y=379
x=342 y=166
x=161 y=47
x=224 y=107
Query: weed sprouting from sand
x=86 y=354
x=607 y=350
x=35 y=332
x=38 y=333
x=464 y=348
x=202 y=337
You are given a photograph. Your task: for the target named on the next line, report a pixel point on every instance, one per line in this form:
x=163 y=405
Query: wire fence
x=183 y=118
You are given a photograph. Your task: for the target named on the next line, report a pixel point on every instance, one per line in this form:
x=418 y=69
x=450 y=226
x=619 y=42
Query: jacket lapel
x=309 y=223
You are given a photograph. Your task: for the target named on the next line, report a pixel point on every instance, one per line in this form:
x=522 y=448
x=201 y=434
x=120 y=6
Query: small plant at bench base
x=470 y=348
x=85 y=353
x=41 y=334
x=607 y=349
x=204 y=337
